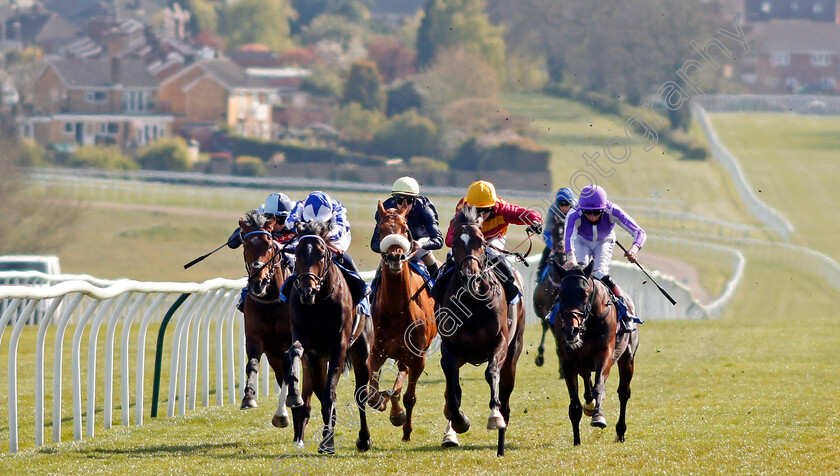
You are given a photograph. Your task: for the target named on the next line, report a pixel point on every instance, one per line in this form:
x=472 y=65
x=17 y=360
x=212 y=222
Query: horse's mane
x=467 y=215
x=255 y=219
x=317 y=228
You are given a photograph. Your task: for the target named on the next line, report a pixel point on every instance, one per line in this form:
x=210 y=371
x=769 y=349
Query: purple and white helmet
x=593 y=197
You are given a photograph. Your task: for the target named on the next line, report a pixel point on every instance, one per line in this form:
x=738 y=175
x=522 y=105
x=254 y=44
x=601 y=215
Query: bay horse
x=475 y=327
x=545 y=294
x=586 y=334
x=403 y=320
x=267 y=320
x=324 y=333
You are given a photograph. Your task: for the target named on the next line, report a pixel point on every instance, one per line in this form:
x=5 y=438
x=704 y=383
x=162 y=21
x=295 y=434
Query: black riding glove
x=535 y=228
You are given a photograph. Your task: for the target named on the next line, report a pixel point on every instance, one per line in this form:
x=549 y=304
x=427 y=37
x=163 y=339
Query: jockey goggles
x=593 y=213
x=400 y=199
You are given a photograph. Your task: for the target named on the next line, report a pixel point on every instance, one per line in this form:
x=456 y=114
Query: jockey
x=563 y=201
x=277 y=206
x=318 y=206
x=497 y=214
x=422 y=221
x=590 y=232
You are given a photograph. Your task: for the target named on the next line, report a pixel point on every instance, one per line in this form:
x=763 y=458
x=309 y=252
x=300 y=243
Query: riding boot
x=433 y=269
x=442 y=279
x=543 y=261
x=623 y=313
x=504 y=271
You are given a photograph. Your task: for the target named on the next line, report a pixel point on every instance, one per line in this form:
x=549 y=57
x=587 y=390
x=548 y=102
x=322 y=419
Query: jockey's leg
x=505 y=272
x=602 y=257
x=345 y=260
x=443 y=277
x=429 y=260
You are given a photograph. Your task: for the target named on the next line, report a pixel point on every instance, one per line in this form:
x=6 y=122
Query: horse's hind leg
x=359 y=356
x=301 y=414
x=625 y=374
x=540 y=359
x=496 y=420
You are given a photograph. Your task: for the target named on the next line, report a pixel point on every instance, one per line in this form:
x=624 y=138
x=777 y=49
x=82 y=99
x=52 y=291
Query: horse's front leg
x=334 y=369
x=589 y=405
x=603 y=363
x=281 y=415
x=575 y=410
x=540 y=359
x=291 y=363
x=494 y=365
x=253 y=348
x=375 y=398
x=452 y=409
x=360 y=356
x=398 y=415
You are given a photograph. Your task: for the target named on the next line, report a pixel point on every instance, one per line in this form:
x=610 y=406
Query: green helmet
x=406 y=186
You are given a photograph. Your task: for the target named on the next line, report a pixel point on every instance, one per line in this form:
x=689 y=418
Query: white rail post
x=212 y=310
x=175 y=364
x=13 y=345
x=57 y=370
x=141 y=359
x=129 y=318
x=39 y=370
x=109 y=358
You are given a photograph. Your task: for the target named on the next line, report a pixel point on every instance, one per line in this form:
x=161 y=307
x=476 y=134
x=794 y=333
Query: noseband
x=585 y=313
x=318 y=278
x=408 y=235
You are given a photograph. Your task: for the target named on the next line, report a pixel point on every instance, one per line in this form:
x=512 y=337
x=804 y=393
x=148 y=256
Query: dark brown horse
x=325 y=331
x=476 y=325
x=403 y=321
x=546 y=291
x=586 y=333
x=267 y=320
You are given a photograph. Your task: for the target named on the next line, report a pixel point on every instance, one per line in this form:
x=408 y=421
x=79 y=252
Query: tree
x=403 y=96
x=258 y=21
x=393 y=60
x=205 y=15
x=357 y=126
x=457 y=74
x=407 y=135
x=364 y=86
x=322 y=82
x=456 y=24
x=165 y=154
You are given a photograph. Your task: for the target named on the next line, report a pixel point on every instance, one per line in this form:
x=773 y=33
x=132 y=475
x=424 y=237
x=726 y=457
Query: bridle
x=276 y=254
x=585 y=313
x=405 y=257
x=318 y=278
x=469 y=279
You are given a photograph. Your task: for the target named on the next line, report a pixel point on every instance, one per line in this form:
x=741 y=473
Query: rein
x=271 y=262
x=586 y=314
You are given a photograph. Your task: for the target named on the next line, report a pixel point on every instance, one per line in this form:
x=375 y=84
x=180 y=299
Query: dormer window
x=766 y=7
x=818 y=7
x=97 y=97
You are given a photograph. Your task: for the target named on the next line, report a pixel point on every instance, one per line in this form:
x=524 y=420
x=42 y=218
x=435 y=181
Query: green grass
x=791 y=162
x=749 y=393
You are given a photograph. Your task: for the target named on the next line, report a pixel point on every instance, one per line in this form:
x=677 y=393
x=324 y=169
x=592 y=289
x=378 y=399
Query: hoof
x=248 y=403
x=540 y=360
x=294 y=401
x=462 y=426
x=326 y=450
x=619 y=438
x=398 y=420
x=589 y=408
x=496 y=421
x=280 y=421
x=450 y=442
x=363 y=446
x=599 y=421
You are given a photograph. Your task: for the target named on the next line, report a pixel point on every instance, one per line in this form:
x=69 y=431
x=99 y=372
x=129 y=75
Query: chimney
x=116 y=70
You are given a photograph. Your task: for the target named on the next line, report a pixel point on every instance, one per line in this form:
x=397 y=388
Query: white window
x=766 y=7
x=794 y=6
x=818 y=7
x=97 y=97
x=780 y=59
x=68 y=128
x=820 y=59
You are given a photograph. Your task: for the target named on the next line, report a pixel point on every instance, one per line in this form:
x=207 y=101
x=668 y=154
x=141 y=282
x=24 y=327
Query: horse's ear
x=241 y=222
x=588 y=269
x=381 y=209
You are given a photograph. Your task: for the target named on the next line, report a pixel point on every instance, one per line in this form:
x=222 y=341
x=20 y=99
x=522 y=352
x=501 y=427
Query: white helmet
x=277 y=204
x=406 y=186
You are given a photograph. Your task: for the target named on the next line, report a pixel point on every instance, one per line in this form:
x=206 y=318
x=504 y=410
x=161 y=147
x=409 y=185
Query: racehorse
x=267 y=320
x=325 y=331
x=403 y=320
x=476 y=327
x=586 y=334
x=546 y=291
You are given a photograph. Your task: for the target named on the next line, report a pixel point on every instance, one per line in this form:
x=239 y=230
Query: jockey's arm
x=374 y=240
x=434 y=240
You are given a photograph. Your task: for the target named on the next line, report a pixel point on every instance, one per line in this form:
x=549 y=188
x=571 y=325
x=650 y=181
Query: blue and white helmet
x=278 y=204
x=317 y=207
x=565 y=194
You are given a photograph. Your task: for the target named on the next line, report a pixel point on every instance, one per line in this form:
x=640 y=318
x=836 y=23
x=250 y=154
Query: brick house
x=211 y=92
x=95 y=101
x=793 y=56
x=812 y=10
